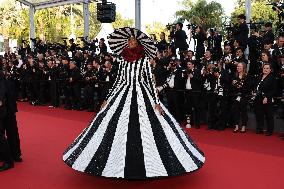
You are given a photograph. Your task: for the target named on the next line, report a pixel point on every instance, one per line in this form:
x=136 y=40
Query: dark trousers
x=5 y=152
x=23 y=89
x=99 y=96
x=75 y=96
x=193 y=106
x=239 y=111
x=89 y=96
x=175 y=101
x=264 y=111
x=66 y=89
x=222 y=114
x=12 y=133
x=208 y=109
x=34 y=92
x=54 y=93
x=42 y=91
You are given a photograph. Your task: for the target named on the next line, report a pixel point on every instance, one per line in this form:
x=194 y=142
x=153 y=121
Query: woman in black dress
x=263 y=103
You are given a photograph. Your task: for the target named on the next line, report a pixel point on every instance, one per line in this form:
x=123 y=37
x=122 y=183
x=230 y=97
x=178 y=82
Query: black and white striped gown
x=129 y=138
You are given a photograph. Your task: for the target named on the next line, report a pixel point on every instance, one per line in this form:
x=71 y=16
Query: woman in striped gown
x=133 y=136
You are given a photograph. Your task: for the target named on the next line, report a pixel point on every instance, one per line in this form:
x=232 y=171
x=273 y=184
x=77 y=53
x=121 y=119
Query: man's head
x=50 y=62
x=89 y=65
x=227 y=49
x=190 y=65
x=239 y=52
x=65 y=60
x=179 y=26
x=241 y=18
x=208 y=54
x=268 y=26
x=72 y=64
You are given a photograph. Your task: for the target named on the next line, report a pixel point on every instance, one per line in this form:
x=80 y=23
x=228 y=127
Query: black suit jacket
x=11 y=98
x=241 y=34
x=180 y=40
x=266 y=87
x=196 y=81
x=268 y=36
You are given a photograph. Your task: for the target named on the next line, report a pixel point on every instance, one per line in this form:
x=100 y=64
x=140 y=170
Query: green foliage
x=122 y=22
x=51 y=24
x=156 y=28
x=260 y=12
x=202 y=13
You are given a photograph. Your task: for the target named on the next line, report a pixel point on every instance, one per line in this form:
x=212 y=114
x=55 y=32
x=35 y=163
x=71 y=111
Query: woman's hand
x=160 y=109
x=264 y=100
x=103 y=104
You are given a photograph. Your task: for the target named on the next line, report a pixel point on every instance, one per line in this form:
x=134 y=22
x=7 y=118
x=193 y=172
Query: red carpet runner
x=233 y=161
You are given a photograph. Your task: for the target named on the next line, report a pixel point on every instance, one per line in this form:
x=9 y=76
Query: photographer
x=89 y=79
x=64 y=80
x=268 y=35
x=193 y=88
x=227 y=60
x=52 y=73
x=162 y=44
x=102 y=47
x=179 y=37
x=214 y=44
x=74 y=85
x=241 y=31
x=200 y=37
x=33 y=81
x=174 y=87
x=221 y=85
x=207 y=59
x=255 y=45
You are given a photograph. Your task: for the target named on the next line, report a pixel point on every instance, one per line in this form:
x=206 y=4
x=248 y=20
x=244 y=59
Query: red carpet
x=233 y=161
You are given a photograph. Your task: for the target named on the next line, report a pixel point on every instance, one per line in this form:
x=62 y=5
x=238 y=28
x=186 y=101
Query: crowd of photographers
x=215 y=84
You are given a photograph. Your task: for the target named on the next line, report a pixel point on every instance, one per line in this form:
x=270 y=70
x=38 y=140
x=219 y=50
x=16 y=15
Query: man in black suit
x=5 y=151
x=221 y=86
x=241 y=31
x=215 y=44
x=193 y=93
x=162 y=44
x=268 y=35
x=74 y=86
x=180 y=39
x=175 y=90
x=10 y=121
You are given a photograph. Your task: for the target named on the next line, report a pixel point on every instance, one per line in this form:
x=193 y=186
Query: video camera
x=171 y=27
x=192 y=27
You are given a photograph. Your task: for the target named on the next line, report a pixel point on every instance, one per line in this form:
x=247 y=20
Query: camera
x=192 y=27
x=171 y=27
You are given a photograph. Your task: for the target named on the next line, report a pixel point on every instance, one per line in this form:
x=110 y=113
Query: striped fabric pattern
x=128 y=138
x=118 y=41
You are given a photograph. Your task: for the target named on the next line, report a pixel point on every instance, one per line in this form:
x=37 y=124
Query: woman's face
x=264 y=57
x=240 y=68
x=132 y=43
x=266 y=69
x=197 y=30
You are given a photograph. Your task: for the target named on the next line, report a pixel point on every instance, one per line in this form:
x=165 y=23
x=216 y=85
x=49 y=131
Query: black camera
x=171 y=27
